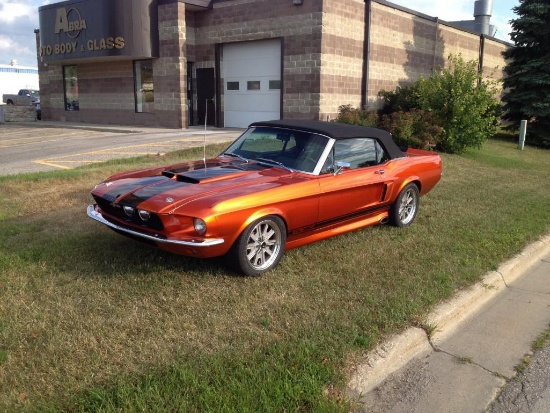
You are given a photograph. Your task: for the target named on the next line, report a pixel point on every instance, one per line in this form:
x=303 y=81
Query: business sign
x=85 y=29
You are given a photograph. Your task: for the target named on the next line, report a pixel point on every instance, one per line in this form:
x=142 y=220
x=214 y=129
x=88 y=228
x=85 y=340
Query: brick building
x=175 y=63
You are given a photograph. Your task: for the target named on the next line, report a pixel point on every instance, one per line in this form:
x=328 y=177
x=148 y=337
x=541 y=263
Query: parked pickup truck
x=23 y=98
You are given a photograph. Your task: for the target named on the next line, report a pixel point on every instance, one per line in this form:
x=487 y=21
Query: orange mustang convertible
x=282 y=184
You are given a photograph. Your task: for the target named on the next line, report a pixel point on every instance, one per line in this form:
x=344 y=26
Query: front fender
x=245 y=219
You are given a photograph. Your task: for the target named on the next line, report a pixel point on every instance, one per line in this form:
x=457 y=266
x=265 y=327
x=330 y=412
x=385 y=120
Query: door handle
x=380 y=172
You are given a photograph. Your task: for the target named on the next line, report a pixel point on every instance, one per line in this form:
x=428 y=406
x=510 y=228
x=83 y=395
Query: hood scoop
x=198 y=176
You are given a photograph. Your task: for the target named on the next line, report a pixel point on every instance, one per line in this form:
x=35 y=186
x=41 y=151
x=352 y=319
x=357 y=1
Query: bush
x=353 y=116
x=463 y=104
x=403 y=99
x=415 y=129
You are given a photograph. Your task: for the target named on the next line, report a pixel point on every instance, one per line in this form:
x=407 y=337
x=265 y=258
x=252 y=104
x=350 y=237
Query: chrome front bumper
x=92 y=213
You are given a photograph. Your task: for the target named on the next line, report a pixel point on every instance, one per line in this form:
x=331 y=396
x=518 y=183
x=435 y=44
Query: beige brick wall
x=18 y=113
x=249 y=20
x=342 y=55
x=171 y=67
x=405 y=46
x=106 y=90
x=323 y=58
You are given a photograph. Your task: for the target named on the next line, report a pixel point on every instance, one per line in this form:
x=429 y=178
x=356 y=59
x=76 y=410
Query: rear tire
x=260 y=246
x=404 y=210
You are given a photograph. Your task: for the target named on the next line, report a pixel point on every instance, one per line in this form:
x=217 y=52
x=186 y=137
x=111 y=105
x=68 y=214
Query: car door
x=358 y=189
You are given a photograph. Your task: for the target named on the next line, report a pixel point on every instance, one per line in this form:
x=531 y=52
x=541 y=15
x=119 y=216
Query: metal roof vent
x=483 y=9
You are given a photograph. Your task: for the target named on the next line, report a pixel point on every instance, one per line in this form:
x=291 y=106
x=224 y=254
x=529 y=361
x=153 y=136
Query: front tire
x=260 y=246
x=404 y=210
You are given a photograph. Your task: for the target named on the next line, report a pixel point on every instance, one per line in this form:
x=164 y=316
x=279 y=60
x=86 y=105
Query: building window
x=70 y=84
x=144 y=90
x=274 y=85
x=232 y=85
x=253 y=85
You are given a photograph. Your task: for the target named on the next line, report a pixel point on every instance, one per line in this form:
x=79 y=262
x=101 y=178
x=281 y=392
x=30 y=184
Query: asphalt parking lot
x=48 y=146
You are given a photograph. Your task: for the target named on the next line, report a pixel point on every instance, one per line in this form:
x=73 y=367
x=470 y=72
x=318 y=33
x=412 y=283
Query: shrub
x=415 y=128
x=463 y=104
x=403 y=99
x=353 y=116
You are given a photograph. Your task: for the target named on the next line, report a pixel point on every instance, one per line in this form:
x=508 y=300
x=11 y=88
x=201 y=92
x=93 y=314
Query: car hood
x=202 y=183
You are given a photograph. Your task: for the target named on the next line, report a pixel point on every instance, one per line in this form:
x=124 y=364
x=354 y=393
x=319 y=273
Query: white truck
x=25 y=97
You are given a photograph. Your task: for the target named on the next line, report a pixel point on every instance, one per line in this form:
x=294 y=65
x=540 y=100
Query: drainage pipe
x=366 y=55
x=481 y=55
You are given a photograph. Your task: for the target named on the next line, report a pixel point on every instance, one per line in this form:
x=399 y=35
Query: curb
x=395 y=353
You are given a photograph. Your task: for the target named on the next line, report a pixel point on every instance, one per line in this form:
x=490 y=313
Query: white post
x=522 y=132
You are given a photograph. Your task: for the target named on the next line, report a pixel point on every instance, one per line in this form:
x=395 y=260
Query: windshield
x=292 y=149
x=35 y=93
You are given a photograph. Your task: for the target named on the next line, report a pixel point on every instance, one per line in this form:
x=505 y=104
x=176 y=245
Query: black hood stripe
x=130 y=185
x=151 y=191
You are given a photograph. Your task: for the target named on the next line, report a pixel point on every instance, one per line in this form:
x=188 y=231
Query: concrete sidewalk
x=478 y=339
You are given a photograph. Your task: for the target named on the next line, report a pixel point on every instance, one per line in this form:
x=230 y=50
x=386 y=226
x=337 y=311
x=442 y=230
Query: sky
x=19 y=19
x=455 y=10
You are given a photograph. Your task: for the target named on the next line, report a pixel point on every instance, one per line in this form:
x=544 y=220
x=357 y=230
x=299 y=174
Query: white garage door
x=252 y=82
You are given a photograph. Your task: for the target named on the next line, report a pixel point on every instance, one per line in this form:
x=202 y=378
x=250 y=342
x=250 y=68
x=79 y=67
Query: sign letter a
x=61 y=21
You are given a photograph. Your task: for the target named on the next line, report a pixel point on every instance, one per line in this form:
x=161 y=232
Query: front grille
x=116 y=210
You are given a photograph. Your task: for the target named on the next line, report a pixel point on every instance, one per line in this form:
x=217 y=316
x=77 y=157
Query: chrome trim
x=92 y=213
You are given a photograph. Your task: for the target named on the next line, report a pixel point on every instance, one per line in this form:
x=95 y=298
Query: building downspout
x=481 y=55
x=436 y=39
x=366 y=56
x=219 y=86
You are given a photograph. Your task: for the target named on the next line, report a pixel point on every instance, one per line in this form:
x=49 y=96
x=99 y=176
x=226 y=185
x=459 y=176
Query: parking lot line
x=51 y=164
x=60 y=162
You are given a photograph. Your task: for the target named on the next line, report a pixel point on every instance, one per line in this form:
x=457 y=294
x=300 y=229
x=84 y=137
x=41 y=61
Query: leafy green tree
x=463 y=103
x=527 y=77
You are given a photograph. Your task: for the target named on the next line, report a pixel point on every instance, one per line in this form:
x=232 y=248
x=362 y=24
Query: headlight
x=144 y=215
x=128 y=210
x=200 y=226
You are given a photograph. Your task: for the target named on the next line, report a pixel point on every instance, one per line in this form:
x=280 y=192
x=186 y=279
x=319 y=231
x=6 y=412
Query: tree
x=528 y=70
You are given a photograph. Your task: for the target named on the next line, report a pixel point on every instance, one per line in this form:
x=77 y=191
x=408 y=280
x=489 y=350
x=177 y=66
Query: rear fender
x=413 y=179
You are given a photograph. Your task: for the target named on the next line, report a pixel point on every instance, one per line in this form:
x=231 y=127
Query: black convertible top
x=337 y=130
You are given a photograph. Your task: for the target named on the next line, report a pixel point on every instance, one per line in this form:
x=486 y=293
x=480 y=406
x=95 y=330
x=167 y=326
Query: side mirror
x=341 y=166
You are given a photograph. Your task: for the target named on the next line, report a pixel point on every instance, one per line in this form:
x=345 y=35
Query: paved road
x=529 y=392
x=480 y=336
x=46 y=146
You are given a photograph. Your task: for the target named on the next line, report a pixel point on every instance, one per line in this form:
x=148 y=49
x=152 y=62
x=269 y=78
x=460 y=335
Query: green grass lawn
x=92 y=321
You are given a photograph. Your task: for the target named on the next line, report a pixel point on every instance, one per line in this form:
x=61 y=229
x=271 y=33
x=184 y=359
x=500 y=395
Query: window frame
x=143 y=105
x=73 y=96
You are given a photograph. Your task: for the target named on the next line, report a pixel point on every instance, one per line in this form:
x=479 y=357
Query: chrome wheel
x=404 y=210
x=407 y=207
x=260 y=246
x=263 y=245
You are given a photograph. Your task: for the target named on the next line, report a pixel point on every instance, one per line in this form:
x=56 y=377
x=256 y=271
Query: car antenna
x=204 y=142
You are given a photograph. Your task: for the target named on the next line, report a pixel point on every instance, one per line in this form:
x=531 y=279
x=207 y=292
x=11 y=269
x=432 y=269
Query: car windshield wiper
x=271 y=161
x=234 y=155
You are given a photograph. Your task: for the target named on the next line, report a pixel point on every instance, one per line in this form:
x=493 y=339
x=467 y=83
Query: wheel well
x=418 y=184
x=254 y=218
